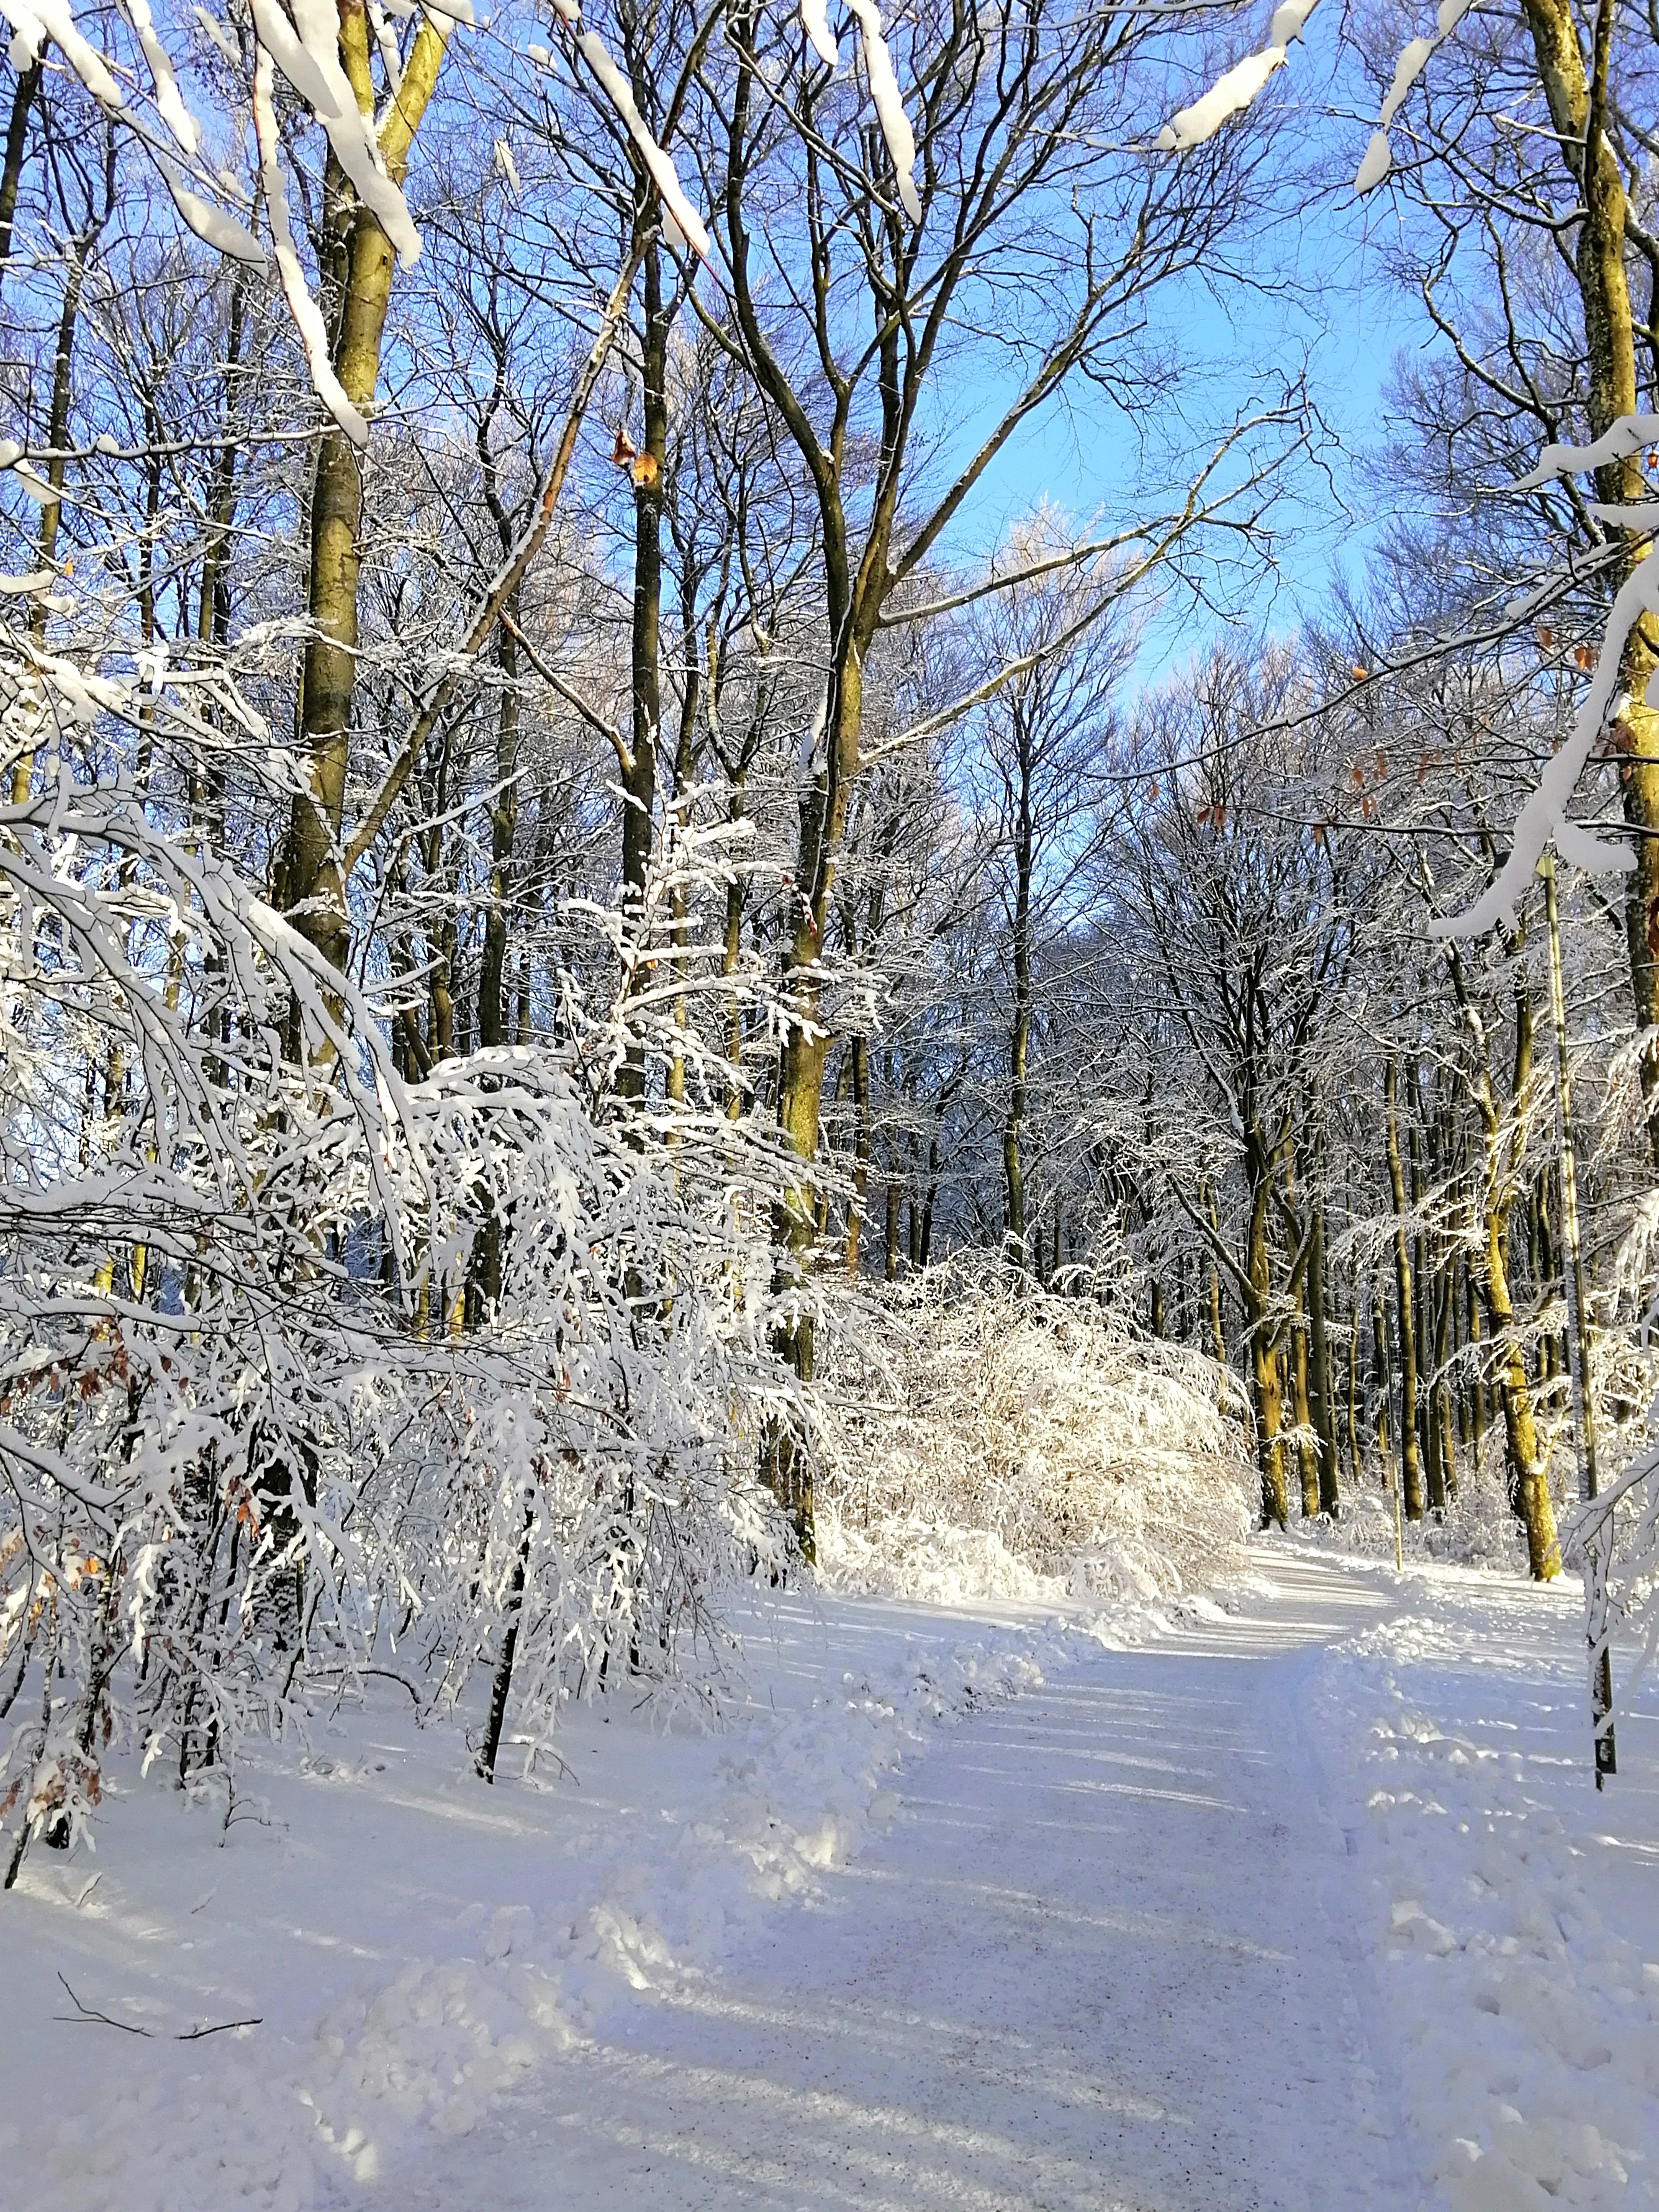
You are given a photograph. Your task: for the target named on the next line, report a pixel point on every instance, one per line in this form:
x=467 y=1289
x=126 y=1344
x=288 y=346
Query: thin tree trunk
x=1382 y=1380
x=645 y=646
x=1020 y=1028
x=1307 y=1448
x=502 y=1682
x=1218 y=1335
x=1412 y=1483
x=1324 y=1397
x=1440 y=1395
x=860 y=1070
x=1528 y=1490
x=1532 y=1497
x=58 y=414
x=11 y=175
x=503 y=835
x=1264 y=1367
x=1478 y=1374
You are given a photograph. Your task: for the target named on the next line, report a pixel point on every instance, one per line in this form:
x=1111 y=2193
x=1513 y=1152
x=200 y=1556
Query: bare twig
x=86 y=2012
x=83 y=2012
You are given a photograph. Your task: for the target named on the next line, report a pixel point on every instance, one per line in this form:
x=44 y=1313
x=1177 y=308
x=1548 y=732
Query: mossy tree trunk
x=1577 y=94
x=357 y=261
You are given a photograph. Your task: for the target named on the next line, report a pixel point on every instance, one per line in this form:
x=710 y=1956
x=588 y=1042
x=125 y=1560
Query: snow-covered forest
x=766 y=882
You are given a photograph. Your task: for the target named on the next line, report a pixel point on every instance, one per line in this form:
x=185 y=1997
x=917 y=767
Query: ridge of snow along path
x=1313 y=1904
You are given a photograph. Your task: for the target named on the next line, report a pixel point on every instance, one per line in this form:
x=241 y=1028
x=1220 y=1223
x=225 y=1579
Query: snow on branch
x=890 y=107
x=684 y=224
x=311 y=62
x=1413 y=57
x=169 y=102
x=1627 y=435
x=1232 y=94
x=211 y=224
x=54 y=20
x=815 y=22
x=884 y=94
x=308 y=316
x=1543 y=819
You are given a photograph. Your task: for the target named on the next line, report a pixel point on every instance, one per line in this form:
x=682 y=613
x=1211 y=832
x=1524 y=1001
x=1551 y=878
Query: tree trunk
x=1382 y=1379
x=1530 y=1489
x=1445 y=1486
x=1307 y=1448
x=1478 y=1377
x=861 y=1057
x=1529 y=1492
x=1324 y=1397
x=69 y=320
x=1264 y=1369
x=503 y=834
x=645 y=643
x=1020 y=1028
x=893 y=1196
x=1411 y=1466
x=731 y=948
x=313 y=891
x=11 y=175
x=1422 y=1321
x=502 y=1681
x=1577 y=98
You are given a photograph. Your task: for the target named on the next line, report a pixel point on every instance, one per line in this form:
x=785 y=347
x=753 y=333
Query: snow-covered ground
x=1307 y=1904
x=1511 y=1910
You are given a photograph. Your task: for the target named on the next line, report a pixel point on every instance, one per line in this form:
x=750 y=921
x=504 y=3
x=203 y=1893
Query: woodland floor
x=1311 y=1904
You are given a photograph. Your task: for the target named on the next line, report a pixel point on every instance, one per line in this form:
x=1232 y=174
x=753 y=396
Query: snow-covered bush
x=1480 y=1527
x=305 y=1367
x=978 y=1433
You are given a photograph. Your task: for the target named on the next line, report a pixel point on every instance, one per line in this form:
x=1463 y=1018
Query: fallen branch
x=84 y=2012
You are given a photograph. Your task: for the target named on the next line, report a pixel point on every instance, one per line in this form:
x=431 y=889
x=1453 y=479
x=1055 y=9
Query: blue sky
x=1325 y=299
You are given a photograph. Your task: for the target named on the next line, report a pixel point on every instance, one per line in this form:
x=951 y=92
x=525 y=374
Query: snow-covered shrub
x=588 y=1487
x=305 y=1368
x=979 y=1434
x=1480 y=1527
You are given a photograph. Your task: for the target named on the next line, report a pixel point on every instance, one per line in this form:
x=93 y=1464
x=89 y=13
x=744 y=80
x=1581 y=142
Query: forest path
x=1107 y=1957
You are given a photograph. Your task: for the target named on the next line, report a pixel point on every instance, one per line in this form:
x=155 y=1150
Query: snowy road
x=1105 y=1958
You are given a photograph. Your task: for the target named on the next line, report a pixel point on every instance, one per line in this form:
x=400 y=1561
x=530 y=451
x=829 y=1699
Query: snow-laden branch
x=308 y=316
x=889 y=106
x=1626 y=436
x=311 y=62
x=815 y=22
x=1409 y=67
x=684 y=224
x=1232 y=94
x=54 y=20
x=884 y=94
x=1543 y=819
